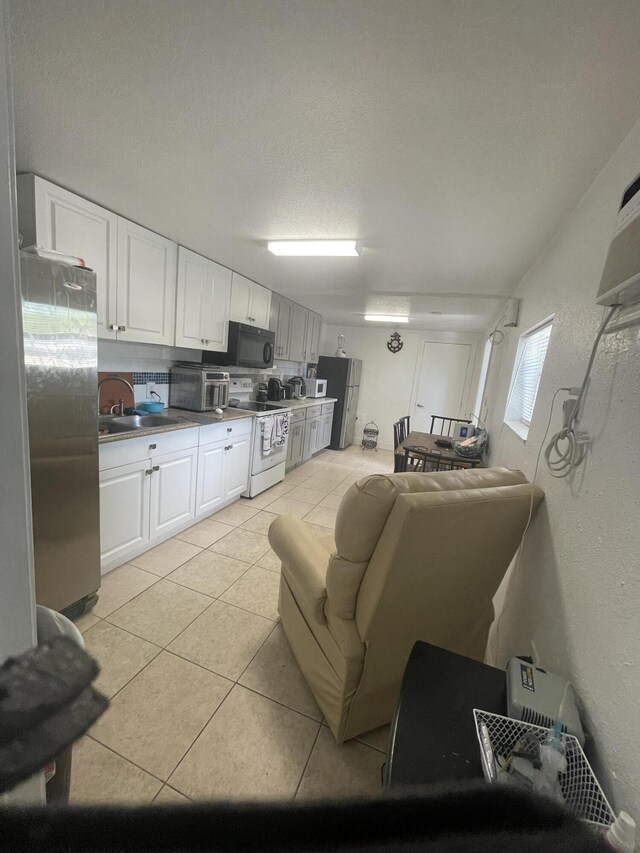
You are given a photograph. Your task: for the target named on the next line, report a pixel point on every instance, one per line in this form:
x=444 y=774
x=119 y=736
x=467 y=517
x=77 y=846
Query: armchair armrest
x=304 y=564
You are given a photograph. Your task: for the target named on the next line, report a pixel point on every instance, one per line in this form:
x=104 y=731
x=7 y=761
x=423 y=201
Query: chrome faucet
x=120 y=403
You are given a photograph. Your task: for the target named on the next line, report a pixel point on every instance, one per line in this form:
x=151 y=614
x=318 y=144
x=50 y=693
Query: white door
x=236 y=466
x=173 y=490
x=442 y=382
x=210 y=484
x=217 y=308
x=191 y=299
x=241 y=289
x=298 y=333
x=67 y=223
x=124 y=512
x=146 y=285
x=260 y=306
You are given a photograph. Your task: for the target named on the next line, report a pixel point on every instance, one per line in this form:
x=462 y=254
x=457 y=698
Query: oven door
x=264 y=459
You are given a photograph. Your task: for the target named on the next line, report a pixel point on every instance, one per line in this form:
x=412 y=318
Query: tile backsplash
x=150 y=365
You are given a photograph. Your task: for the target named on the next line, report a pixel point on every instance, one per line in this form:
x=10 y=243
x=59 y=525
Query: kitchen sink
x=109 y=424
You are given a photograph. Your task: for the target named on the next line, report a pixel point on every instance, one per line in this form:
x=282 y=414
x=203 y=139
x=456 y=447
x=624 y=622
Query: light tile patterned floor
x=207 y=700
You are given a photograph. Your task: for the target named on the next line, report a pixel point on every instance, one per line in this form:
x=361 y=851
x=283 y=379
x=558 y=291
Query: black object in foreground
x=46 y=703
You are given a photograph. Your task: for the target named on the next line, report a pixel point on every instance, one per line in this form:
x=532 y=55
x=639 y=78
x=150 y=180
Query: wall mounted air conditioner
x=620 y=283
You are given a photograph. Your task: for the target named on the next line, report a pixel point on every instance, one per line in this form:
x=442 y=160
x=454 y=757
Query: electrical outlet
x=568 y=409
x=151 y=386
x=582 y=436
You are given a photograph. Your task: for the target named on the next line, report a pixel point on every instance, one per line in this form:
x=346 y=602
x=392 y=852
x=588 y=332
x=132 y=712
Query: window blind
x=528 y=373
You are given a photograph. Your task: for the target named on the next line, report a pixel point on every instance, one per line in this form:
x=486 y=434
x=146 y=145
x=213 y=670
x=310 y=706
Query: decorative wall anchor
x=394 y=344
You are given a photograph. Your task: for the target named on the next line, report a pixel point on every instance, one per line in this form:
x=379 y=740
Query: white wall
x=577 y=590
x=387 y=378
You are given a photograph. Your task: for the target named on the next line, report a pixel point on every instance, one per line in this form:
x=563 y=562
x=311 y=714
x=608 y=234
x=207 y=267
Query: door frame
x=473 y=372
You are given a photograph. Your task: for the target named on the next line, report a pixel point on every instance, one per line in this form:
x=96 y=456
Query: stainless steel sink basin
x=108 y=424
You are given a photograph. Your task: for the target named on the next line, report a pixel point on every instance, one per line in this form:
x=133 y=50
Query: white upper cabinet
x=202 y=302
x=53 y=218
x=280 y=323
x=312 y=344
x=298 y=333
x=146 y=285
x=250 y=302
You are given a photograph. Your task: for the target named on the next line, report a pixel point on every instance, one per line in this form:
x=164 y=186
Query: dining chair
x=445 y=423
x=398 y=438
x=418 y=460
x=406 y=425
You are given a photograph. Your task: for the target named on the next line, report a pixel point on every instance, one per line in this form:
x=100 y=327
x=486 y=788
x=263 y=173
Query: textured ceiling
x=451 y=137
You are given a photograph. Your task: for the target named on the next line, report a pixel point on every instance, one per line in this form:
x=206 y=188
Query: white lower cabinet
x=124 y=511
x=295 y=446
x=223 y=473
x=325 y=430
x=173 y=491
x=311 y=432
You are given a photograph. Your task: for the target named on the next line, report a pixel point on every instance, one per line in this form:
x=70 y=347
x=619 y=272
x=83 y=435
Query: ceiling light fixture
x=386 y=318
x=314 y=248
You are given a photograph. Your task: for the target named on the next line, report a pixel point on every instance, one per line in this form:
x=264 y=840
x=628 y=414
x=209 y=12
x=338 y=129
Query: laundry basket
x=581 y=791
x=370 y=435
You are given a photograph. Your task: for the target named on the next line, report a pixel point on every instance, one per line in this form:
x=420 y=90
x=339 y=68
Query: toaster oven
x=198 y=388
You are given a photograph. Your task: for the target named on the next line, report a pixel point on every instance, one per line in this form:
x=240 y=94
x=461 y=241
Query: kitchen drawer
x=297 y=415
x=227 y=429
x=327 y=408
x=314 y=412
x=131 y=450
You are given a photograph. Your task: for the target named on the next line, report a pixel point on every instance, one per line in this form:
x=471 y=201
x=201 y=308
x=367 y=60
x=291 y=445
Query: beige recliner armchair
x=416 y=557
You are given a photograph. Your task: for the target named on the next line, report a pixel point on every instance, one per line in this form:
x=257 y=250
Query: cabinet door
x=298 y=333
x=325 y=431
x=241 y=289
x=210 y=482
x=217 y=308
x=279 y=322
x=124 y=511
x=295 y=447
x=173 y=490
x=260 y=306
x=313 y=337
x=191 y=299
x=236 y=466
x=310 y=437
x=57 y=219
x=146 y=285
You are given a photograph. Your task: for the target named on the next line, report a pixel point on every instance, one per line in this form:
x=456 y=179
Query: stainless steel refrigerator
x=61 y=364
x=343 y=382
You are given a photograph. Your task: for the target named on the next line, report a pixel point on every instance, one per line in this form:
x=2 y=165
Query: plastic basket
x=580 y=788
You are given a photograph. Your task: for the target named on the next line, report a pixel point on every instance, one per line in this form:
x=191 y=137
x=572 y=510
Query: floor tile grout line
x=171 y=788
x=124 y=758
x=306 y=764
x=277 y=701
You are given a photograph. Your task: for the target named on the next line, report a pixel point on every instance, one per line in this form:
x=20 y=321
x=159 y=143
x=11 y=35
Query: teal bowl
x=154 y=406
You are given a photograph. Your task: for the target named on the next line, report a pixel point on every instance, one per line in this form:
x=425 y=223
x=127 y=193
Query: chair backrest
x=416 y=459
x=364 y=514
x=442 y=425
x=398 y=436
x=406 y=425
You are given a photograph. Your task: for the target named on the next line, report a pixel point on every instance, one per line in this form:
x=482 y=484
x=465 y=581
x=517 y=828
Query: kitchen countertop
x=194 y=419
x=187 y=420
x=308 y=401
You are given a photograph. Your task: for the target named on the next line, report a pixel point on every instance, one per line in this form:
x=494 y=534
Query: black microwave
x=247 y=346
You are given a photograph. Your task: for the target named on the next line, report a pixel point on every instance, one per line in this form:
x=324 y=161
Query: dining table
x=427 y=441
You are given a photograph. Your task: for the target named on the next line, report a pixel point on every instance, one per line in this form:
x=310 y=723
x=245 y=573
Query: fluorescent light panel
x=314 y=248
x=386 y=318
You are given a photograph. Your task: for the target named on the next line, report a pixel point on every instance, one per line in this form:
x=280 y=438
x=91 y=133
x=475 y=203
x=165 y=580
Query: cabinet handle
x=229 y=429
x=229 y=447
x=114 y=327
x=149 y=471
x=152 y=446
x=156 y=468
x=122 y=328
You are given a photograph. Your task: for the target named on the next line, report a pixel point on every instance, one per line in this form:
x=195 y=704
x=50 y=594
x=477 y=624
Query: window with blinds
x=526 y=376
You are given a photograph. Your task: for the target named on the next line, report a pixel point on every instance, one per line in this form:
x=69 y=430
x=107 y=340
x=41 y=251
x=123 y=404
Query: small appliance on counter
x=261 y=396
x=316 y=387
x=275 y=390
x=247 y=346
x=198 y=388
x=298 y=387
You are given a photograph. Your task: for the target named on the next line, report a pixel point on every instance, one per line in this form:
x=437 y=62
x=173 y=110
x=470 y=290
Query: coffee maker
x=298 y=387
x=261 y=396
x=275 y=390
